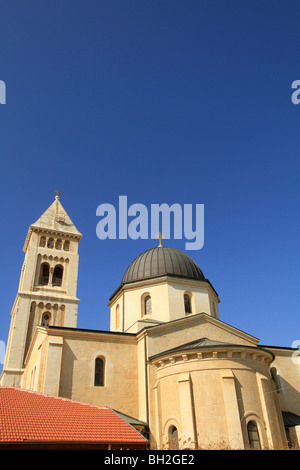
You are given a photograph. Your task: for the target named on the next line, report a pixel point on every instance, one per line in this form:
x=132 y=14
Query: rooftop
x=27 y=416
x=161 y=261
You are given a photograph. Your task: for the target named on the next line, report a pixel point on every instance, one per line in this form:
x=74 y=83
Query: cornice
x=39 y=230
x=232 y=352
x=112 y=336
x=165 y=279
x=59 y=297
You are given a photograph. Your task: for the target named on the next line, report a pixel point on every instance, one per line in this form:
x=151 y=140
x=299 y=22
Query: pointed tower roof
x=54 y=219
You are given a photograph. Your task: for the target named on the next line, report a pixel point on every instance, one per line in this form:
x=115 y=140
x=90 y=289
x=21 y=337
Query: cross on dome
x=160 y=237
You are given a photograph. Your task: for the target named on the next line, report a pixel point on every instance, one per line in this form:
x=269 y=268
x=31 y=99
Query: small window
x=44 y=276
x=67 y=246
x=99 y=372
x=173 y=438
x=117 y=316
x=274 y=376
x=43 y=241
x=147 y=305
x=187 y=304
x=50 y=243
x=57 y=276
x=253 y=435
x=58 y=244
x=46 y=319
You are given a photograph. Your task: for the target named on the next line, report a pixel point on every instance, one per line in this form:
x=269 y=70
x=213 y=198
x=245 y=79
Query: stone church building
x=168 y=363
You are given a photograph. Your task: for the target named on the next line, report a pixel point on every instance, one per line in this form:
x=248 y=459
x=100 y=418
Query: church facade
x=169 y=363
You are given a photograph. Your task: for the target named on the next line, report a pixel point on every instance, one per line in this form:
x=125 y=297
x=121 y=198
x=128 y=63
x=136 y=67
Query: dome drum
x=172 y=284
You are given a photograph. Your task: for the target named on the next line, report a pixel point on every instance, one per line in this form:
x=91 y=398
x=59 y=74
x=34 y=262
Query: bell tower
x=47 y=288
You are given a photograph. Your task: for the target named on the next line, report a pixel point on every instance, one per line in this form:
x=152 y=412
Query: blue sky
x=163 y=101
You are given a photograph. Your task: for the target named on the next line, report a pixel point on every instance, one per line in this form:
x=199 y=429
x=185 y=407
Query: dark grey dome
x=161 y=261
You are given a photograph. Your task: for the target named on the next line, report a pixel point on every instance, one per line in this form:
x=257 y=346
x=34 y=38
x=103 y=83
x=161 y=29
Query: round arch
x=252 y=416
x=172 y=438
x=146 y=304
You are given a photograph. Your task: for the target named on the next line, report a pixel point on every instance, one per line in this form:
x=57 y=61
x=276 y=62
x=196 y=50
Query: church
x=179 y=374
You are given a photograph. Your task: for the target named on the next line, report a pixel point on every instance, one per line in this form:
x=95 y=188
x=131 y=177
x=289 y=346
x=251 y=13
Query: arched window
x=253 y=435
x=67 y=245
x=44 y=274
x=57 y=276
x=117 y=316
x=50 y=243
x=46 y=319
x=58 y=244
x=187 y=303
x=275 y=378
x=173 y=438
x=43 y=241
x=99 y=372
x=147 y=305
x=32 y=378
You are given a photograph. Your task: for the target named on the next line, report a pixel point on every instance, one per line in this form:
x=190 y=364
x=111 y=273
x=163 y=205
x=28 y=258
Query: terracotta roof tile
x=31 y=416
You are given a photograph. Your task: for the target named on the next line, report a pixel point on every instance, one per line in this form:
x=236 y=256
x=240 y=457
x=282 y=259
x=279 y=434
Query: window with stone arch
x=253 y=435
x=276 y=378
x=117 y=316
x=46 y=318
x=44 y=274
x=50 y=243
x=58 y=244
x=146 y=304
x=173 y=438
x=187 y=297
x=57 y=276
x=43 y=241
x=99 y=371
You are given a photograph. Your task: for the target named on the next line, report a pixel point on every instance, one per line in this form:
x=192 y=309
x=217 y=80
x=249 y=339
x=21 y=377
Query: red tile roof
x=36 y=417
